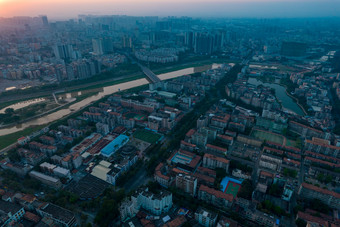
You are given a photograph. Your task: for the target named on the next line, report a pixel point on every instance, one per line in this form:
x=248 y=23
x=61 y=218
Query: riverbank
x=12 y=98
x=61 y=106
x=295 y=99
x=79 y=106
x=281 y=89
x=7 y=142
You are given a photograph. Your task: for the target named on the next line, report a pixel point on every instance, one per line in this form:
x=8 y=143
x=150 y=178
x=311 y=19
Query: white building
x=143 y=198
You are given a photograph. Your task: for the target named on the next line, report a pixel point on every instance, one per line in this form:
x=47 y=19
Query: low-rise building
x=205 y=217
x=328 y=197
x=161 y=176
x=60 y=215
x=215 y=197
x=186 y=183
x=51 y=181
x=212 y=162
x=216 y=149
x=10 y=212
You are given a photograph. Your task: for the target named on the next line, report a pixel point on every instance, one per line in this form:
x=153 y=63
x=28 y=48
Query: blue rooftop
x=226 y=180
x=112 y=147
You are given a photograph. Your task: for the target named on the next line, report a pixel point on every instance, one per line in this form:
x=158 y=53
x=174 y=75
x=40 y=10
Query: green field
x=268 y=136
x=146 y=136
x=290 y=143
x=232 y=188
x=136 y=116
x=9 y=139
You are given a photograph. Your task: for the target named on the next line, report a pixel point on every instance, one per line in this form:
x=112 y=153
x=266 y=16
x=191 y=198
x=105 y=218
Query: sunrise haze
x=216 y=8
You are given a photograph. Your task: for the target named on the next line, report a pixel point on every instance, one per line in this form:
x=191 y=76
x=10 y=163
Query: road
x=139 y=179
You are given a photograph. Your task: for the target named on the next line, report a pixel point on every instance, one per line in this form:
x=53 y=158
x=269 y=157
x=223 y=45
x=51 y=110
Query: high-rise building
x=44 y=21
x=189 y=39
x=107 y=45
x=102 y=45
x=69 y=72
x=64 y=51
x=126 y=42
x=219 y=37
x=97 y=45
x=204 y=43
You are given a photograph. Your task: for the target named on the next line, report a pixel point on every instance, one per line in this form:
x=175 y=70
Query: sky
x=59 y=9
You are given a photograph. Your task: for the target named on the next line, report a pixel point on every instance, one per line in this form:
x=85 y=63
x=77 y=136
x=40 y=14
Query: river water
x=102 y=92
x=287 y=102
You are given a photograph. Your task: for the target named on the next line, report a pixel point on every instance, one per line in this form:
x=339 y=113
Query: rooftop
x=216 y=193
x=210 y=156
x=58 y=212
x=321 y=190
x=8 y=207
x=113 y=146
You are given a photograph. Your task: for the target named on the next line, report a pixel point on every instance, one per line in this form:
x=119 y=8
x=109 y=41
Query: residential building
x=10 y=212
x=143 y=198
x=60 y=215
x=46 y=179
x=328 y=197
x=205 y=217
x=215 y=197
x=186 y=183
x=212 y=162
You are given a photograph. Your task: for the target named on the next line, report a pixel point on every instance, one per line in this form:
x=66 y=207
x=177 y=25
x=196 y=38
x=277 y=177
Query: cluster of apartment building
x=251 y=94
x=17 y=208
x=159 y=55
x=315 y=90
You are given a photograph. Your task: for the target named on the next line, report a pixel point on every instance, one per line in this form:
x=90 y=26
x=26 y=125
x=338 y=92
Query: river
x=102 y=92
x=287 y=102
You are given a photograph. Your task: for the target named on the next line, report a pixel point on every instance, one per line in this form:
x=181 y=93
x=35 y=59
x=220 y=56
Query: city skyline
x=201 y=8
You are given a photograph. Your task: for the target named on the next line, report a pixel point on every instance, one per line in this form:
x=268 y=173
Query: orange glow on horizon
x=72 y=8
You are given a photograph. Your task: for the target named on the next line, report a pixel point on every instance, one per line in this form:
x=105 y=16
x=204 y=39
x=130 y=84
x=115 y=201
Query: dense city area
x=174 y=121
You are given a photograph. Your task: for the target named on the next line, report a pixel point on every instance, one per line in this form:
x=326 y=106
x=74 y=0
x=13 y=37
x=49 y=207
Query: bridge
x=153 y=78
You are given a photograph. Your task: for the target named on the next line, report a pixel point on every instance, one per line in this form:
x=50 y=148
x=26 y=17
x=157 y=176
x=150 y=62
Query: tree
x=300 y=223
x=298 y=143
x=246 y=189
x=289 y=172
x=270 y=207
x=14 y=156
x=318 y=205
x=275 y=190
x=73 y=198
x=9 y=111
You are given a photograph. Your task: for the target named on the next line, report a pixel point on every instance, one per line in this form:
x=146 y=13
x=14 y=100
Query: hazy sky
x=204 y=8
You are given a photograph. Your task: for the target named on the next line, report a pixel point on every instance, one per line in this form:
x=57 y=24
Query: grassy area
x=121 y=70
x=188 y=65
x=268 y=136
x=147 y=136
x=12 y=138
x=290 y=143
x=105 y=84
x=136 y=116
